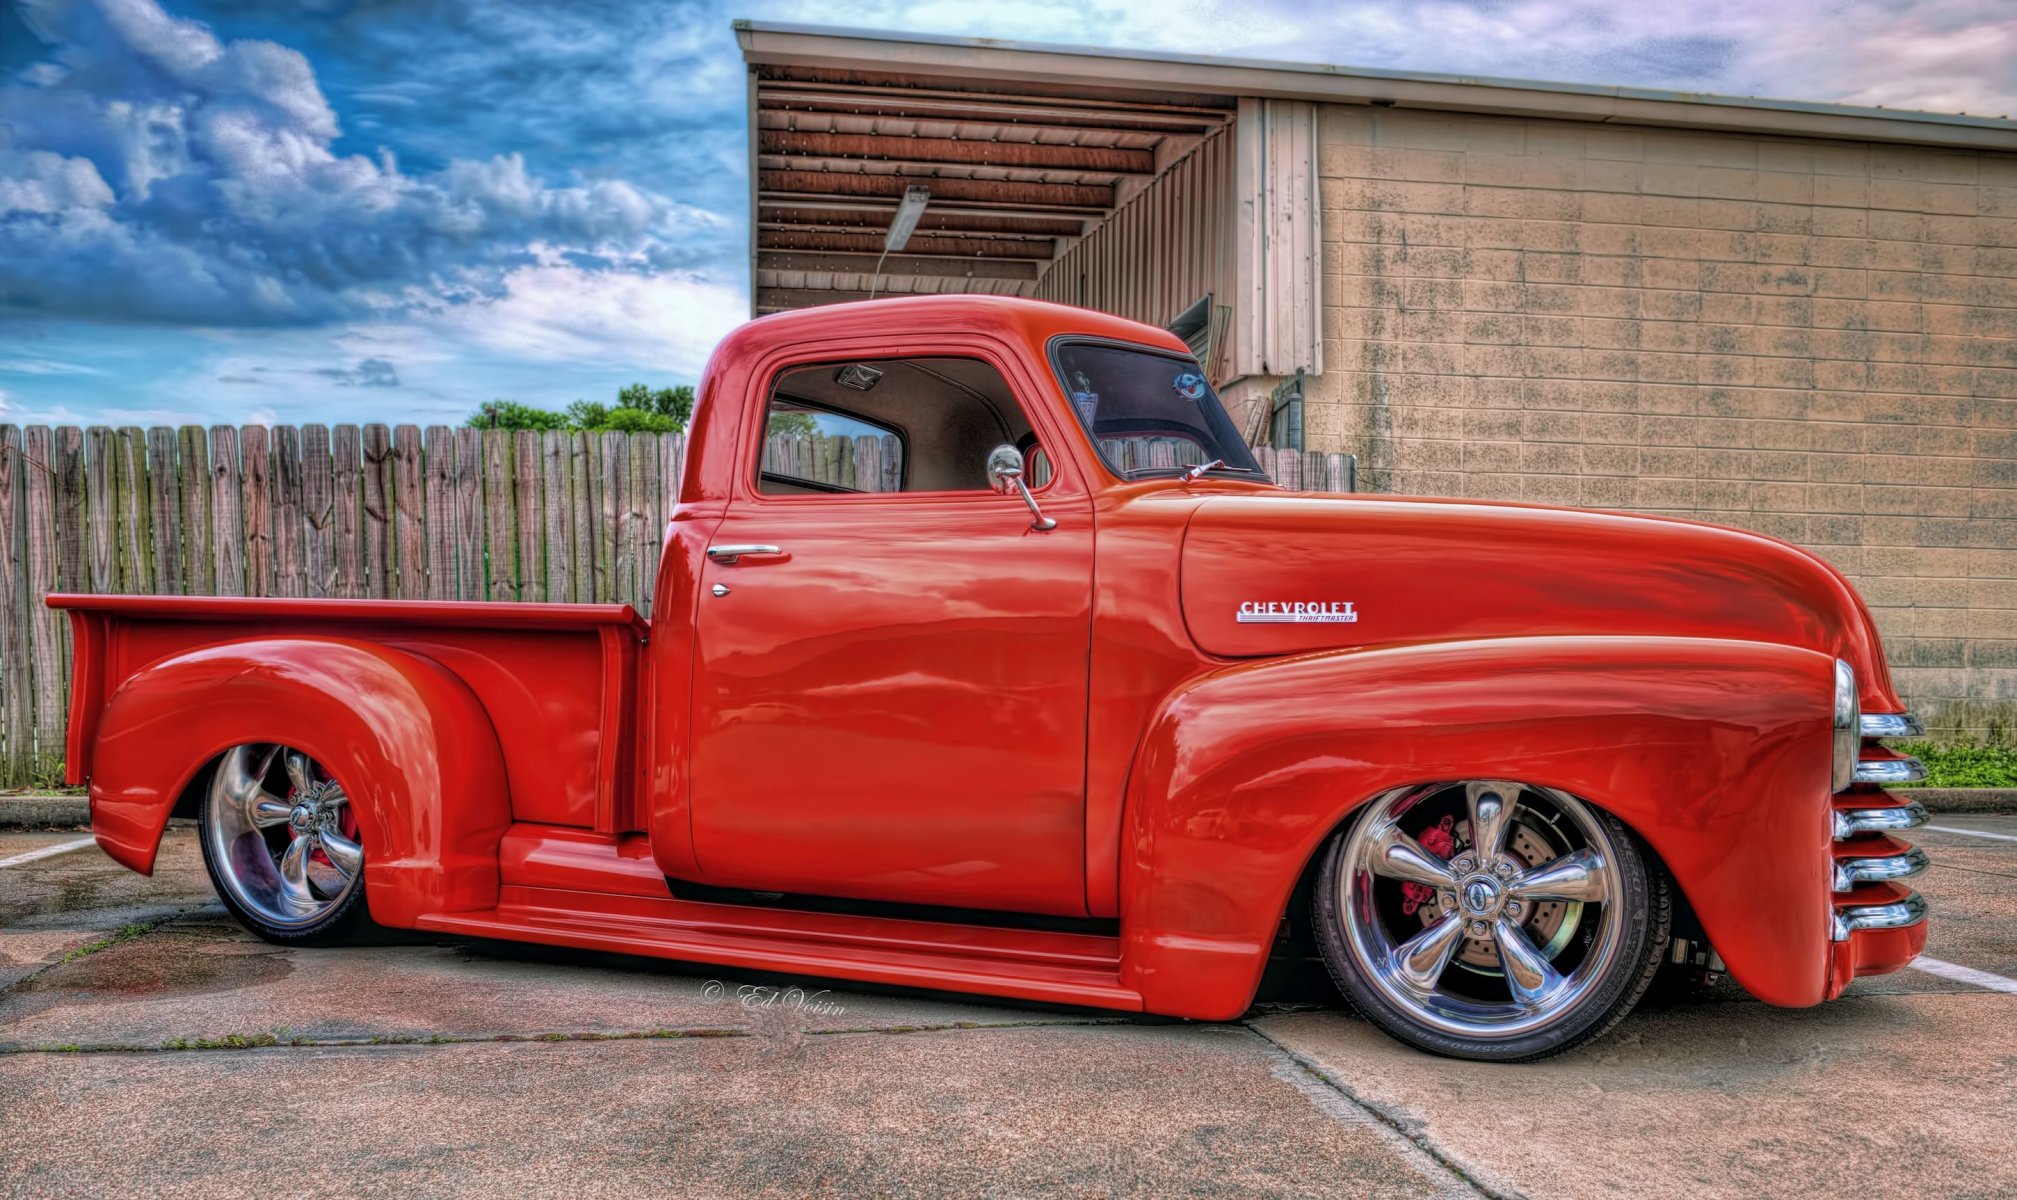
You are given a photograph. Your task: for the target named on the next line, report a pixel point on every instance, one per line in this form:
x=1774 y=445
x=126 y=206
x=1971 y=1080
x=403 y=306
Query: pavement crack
x=283 y=1041
x=955 y=1026
x=132 y=931
x=1309 y=1076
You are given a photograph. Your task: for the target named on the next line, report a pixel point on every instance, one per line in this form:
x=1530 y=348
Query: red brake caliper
x=1441 y=841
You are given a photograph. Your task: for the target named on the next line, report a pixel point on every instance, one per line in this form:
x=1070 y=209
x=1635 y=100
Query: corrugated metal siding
x=1161 y=250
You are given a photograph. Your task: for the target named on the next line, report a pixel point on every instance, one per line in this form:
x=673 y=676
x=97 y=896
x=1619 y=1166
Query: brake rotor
x=1549 y=923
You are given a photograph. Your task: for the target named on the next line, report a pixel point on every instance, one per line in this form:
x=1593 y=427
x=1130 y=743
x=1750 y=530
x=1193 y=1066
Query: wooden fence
x=356 y=512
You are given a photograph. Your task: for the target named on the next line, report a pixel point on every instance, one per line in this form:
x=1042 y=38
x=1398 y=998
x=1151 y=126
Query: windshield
x=1149 y=412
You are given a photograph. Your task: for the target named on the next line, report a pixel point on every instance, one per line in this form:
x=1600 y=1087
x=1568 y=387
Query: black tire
x=1644 y=904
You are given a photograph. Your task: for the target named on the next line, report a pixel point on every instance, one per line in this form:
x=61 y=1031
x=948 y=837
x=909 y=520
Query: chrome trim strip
x=1890 y=770
x=1878 y=869
x=1899 y=914
x=1892 y=725
x=1851 y=821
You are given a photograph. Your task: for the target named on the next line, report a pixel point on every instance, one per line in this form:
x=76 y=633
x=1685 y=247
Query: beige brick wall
x=1813 y=339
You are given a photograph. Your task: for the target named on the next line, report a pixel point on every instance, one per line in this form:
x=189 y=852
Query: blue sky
x=232 y=210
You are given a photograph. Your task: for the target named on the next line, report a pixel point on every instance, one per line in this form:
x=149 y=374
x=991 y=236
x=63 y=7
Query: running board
x=1053 y=967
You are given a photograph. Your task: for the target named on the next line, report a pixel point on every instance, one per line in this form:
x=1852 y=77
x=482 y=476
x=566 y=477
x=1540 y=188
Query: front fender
x=1715 y=752
x=409 y=741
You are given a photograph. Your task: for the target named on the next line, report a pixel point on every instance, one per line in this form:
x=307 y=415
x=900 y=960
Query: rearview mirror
x=1005 y=475
x=1004 y=467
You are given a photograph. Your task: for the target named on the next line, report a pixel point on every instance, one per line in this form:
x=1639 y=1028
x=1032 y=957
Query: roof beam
x=868 y=214
x=989 y=192
x=1018 y=155
x=899 y=102
x=899 y=264
x=1031 y=249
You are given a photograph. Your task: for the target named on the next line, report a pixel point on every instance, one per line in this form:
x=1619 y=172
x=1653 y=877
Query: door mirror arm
x=1005 y=472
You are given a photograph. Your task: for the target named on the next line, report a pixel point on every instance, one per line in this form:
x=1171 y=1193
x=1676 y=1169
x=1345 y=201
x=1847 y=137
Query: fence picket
x=528 y=516
x=468 y=514
x=409 y=507
x=347 y=512
x=45 y=624
x=439 y=463
x=17 y=720
x=502 y=561
x=583 y=504
x=377 y=518
x=554 y=515
x=72 y=574
x=227 y=516
x=101 y=484
x=163 y=511
x=290 y=518
x=136 y=535
x=255 y=455
x=192 y=482
x=318 y=512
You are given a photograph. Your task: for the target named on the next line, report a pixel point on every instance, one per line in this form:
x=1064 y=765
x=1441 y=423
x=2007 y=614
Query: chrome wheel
x=1484 y=911
x=280 y=837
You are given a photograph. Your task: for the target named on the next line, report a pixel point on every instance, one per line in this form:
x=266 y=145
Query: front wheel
x=1490 y=920
x=280 y=842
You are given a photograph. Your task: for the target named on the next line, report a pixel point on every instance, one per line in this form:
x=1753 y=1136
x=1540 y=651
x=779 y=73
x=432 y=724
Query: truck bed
x=561 y=682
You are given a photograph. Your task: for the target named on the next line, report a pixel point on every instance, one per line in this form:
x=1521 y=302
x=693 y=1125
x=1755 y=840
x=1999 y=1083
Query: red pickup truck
x=1038 y=687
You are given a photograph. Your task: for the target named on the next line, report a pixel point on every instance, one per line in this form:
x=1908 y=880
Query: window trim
x=1027 y=396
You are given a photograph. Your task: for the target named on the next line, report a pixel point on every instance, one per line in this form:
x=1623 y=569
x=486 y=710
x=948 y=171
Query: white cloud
x=167 y=174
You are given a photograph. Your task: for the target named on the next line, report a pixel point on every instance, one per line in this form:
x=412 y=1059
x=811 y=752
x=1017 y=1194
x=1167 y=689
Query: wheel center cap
x=1481 y=896
x=302 y=818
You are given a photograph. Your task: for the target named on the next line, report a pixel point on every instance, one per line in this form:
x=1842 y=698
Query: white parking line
x=47 y=852
x=2001 y=837
x=1961 y=974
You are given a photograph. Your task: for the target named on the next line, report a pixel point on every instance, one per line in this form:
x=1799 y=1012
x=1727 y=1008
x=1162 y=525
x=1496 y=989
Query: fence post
x=16 y=721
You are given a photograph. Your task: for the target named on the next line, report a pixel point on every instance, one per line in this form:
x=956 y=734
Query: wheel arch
x=410 y=742
x=1713 y=753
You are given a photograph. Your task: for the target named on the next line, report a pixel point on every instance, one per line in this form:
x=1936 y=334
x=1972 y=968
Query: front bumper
x=1879 y=924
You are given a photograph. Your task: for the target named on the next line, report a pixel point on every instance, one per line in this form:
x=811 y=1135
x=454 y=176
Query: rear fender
x=409 y=741
x=1715 y=752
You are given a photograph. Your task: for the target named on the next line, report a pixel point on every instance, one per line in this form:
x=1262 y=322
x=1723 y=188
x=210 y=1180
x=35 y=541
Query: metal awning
x=1015 y=173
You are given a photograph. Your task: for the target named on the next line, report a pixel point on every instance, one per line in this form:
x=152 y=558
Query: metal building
x=1797 y=318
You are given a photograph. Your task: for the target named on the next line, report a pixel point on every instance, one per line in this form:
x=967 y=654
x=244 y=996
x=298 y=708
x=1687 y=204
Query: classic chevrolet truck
x=1058 y=698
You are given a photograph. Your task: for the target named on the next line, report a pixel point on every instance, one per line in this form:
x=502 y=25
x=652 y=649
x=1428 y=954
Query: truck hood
x=1272 y=575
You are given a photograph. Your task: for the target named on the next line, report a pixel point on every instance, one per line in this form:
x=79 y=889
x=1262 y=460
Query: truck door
x=889 y=692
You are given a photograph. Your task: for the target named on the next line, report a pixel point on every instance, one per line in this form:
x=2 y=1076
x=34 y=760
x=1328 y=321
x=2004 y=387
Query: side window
x=890 y=425
x=807 y=449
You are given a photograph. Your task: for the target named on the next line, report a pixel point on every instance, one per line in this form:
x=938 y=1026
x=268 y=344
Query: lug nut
x=1505 y=870
x=1478 y=929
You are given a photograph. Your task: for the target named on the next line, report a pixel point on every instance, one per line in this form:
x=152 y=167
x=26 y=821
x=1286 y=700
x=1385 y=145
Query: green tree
x=789 y=424
x=509 y=414
x=638 y=409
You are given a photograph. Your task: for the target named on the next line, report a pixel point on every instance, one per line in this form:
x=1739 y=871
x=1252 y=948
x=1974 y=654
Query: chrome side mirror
x=1005 y=473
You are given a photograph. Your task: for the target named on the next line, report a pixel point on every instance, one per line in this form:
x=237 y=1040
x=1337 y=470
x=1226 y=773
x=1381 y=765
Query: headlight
x=1848 y=725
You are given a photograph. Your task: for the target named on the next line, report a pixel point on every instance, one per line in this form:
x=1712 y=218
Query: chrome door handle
x=729 y=554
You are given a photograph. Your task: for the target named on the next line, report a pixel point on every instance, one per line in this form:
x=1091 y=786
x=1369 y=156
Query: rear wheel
x=1490 y=920
x=280 y=842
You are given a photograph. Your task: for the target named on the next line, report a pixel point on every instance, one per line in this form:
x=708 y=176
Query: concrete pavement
x=147 y=1042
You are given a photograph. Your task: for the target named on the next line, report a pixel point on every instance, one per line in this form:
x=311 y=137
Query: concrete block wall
x=1814 y=339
